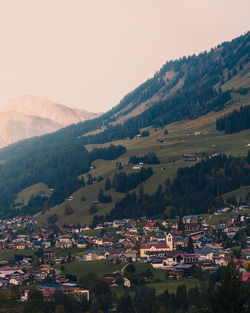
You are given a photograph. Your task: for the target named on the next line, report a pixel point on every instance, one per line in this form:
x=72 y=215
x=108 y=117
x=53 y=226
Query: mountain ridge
x=31 y=116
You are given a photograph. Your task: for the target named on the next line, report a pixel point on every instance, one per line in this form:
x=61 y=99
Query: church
x=168 y=245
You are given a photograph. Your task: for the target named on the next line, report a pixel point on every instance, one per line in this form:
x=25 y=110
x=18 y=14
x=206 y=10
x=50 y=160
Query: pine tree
x=231 y=295
x=190 y=247
x=107 y=184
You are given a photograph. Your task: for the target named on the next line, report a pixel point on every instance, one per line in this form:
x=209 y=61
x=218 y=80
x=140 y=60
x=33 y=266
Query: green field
x=9 y=254
x=81 y=268
x=24 y=196
x=101 y=268
x=222 y=218
x=171 y=285
x=238 y=193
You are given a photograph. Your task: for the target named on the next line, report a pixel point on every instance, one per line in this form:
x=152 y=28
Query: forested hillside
x=235 y=121
x=193 y=190
x=58 y=167
x=181 y=90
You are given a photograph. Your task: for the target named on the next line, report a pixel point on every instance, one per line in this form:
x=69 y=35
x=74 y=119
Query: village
x=36 y=256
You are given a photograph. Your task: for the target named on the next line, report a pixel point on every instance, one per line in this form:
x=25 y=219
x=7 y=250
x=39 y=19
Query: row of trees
x=193 y=190
x=235 y=121
x=222 y=292
x=150 y=158
x=123 y=182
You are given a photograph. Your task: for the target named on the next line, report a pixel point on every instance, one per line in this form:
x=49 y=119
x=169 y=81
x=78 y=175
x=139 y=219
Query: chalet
x=221 y=261
x=158 y=237
x=207 y=265
x=126 y=282
x=205 y=253
x=175 y=273
x=118 y=223
x=246 y=277
x=137 y=167
x=156 y=262
x=151 y=226
x=25 y=295
x=81 y=243
x=186 y=268
x=190 y=219
x=9 y=273
x=175 y=257
x=15 y=280
x=74 y=290
x=109 y=280
x=92 y=255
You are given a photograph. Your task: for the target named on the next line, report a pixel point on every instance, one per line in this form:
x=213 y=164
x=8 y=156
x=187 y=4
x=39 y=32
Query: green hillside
x=185 y=95
x=24 y=195
x=169 y=154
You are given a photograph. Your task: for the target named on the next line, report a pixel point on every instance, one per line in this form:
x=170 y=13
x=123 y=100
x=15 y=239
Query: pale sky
x=90 y=53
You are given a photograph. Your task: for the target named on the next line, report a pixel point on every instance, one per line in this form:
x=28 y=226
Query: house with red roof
x=245 y=277
x=151 y=226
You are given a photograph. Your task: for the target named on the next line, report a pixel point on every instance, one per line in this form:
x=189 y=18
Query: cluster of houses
x=48 y=289
x=163 y=244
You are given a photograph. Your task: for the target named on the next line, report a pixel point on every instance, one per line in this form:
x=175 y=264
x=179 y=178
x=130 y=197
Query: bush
x=93 y=209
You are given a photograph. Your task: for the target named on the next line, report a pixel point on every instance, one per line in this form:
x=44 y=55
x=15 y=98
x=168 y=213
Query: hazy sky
x=90 y=53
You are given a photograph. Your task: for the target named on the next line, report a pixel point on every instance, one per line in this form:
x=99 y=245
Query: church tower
x=169 y=240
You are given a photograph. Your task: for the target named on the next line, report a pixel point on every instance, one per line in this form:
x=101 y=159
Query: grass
x=24 y=195
x=169 y=154
x=222 y=218
x=10 y=254
x=238 y=193
x=171 y=285
x=81 y=268
x=102 y=268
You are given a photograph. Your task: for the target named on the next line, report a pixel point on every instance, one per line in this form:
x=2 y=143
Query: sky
x=91 y=53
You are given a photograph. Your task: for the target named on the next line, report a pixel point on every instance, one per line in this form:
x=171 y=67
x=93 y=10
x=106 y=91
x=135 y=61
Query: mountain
x=31 y=116
x=186 y=95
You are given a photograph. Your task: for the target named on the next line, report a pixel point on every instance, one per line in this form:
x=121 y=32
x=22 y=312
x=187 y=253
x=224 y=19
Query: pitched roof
x=160 y=245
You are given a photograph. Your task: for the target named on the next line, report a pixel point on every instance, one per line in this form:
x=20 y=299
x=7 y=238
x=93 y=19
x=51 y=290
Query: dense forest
x=235 y=121
x=194 y=190
x=58 y=168
x=123 y=182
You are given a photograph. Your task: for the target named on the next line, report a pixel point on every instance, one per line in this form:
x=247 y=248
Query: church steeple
x=169 y=238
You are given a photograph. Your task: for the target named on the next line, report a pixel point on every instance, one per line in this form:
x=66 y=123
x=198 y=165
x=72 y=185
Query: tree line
x=123 y=182
x=235 y=121
x=222 y=291
x=193 y=190
x=150 y=158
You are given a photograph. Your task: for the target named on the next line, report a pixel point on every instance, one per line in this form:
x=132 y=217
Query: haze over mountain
x=31 y=116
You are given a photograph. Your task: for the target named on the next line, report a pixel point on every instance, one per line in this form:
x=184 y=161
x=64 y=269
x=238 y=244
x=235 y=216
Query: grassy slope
x=222 y=218
x=177 y=143
x=25 y=194
x=238 y=193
